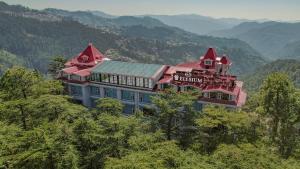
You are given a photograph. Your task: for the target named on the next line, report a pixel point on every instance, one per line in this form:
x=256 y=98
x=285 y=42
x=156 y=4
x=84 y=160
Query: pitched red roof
x=89 y=57
x=210 y=54
x=225 y=60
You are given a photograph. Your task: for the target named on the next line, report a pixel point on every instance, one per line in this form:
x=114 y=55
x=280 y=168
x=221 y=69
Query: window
x=146 y=83
x=113 y=79
x=75 y=90
x=127 y=95
x=213 y=95
x=128 y=109
x=130 y=81
x=150 y=83
x=110 y=92
x=198 y=106
x=95 y=77
x=207 y=62
x=93 y=102
x=105 y=78
x=122 y=80
x=139 y=82
x=95 y=91
x=145 y=98
x=219 y=95
x=225 y=96
x=75 y=77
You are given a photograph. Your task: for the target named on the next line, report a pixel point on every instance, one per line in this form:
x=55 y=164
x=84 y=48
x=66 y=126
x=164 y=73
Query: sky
x=287 y=10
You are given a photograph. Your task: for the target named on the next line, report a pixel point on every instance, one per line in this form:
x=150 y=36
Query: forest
x=41 y=127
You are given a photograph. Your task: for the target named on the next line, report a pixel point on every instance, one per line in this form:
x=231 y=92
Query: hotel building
x=90 y=76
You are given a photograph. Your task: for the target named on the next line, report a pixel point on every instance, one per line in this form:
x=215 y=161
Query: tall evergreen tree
x=280 y=103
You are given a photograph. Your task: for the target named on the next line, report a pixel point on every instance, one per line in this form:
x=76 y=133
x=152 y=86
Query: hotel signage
x=187 y=77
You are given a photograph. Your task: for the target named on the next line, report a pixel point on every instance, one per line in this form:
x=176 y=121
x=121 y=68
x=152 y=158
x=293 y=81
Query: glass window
x=122 y=80
x=114 y=79
x=145 y=98
x=128 y=109
x=111 y=79
x=130 y=81
x=141 y=82
x=137 y=81
x=207 y=62
x=95 y=77
x=150 y=83
x=146 y=83
x=127 y=95
x=95 y=91
x=75 y=90
x=75 y=77
x=110 y=92
x=105 y=78
x=93 y=102
x=225 y=96
x=198 y=106
x=213 y=95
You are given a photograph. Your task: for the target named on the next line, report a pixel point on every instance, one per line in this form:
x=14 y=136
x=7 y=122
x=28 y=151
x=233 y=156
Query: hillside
x=272 y=39
x=198 y=24
x=38 y=40
x=290 y=66
x=7 y=60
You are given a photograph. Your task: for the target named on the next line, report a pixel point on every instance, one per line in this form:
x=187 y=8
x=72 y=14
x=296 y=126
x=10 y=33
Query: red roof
x=89 y=57
x=210 y=54
x=83 y=73
x=165 y=79
x=70 y=70
x=225 y=60
x=235 y=91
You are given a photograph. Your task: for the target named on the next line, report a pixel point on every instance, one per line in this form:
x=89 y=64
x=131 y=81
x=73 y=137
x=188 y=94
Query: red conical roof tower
x=210 y=54
x=88 y=58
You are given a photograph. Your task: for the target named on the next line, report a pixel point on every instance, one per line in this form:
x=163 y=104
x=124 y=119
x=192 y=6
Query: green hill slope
x=7 y=60
x=272 y=39
x=289 y=66
x=37 y=40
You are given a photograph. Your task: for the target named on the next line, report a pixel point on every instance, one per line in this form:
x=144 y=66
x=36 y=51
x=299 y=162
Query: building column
x=136 y=100
x=86 y=96
x=101 y=91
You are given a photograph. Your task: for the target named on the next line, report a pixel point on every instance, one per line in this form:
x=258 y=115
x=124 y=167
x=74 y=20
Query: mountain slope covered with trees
x=40 y=36
x=289 y=66
x=272 y=39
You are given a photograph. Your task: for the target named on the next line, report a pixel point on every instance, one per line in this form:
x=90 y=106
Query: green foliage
x=161 y=155
x=44 y=129
x=43 y=35
x=218 y=125
x=280 y=103
x=109 y=106
x=175 y=114
x=246 y=156
x=289 y=66
x=56 y=65
x=48 y=146
x=8 y=60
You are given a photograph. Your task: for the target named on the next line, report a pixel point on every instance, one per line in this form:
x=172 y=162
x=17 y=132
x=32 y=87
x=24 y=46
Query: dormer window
x=208 y=62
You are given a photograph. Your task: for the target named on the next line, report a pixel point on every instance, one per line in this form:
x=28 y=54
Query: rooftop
x=128 y=69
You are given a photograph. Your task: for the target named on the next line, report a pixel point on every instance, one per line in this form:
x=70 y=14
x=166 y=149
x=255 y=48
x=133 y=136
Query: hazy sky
x=251 y=9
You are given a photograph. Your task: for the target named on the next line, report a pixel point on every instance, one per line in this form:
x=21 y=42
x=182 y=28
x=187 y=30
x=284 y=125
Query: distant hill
x=198 y=24
x=39 y=39
x=97 y=20
x=7 y=60
x=272 y=39
x=290 y=66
